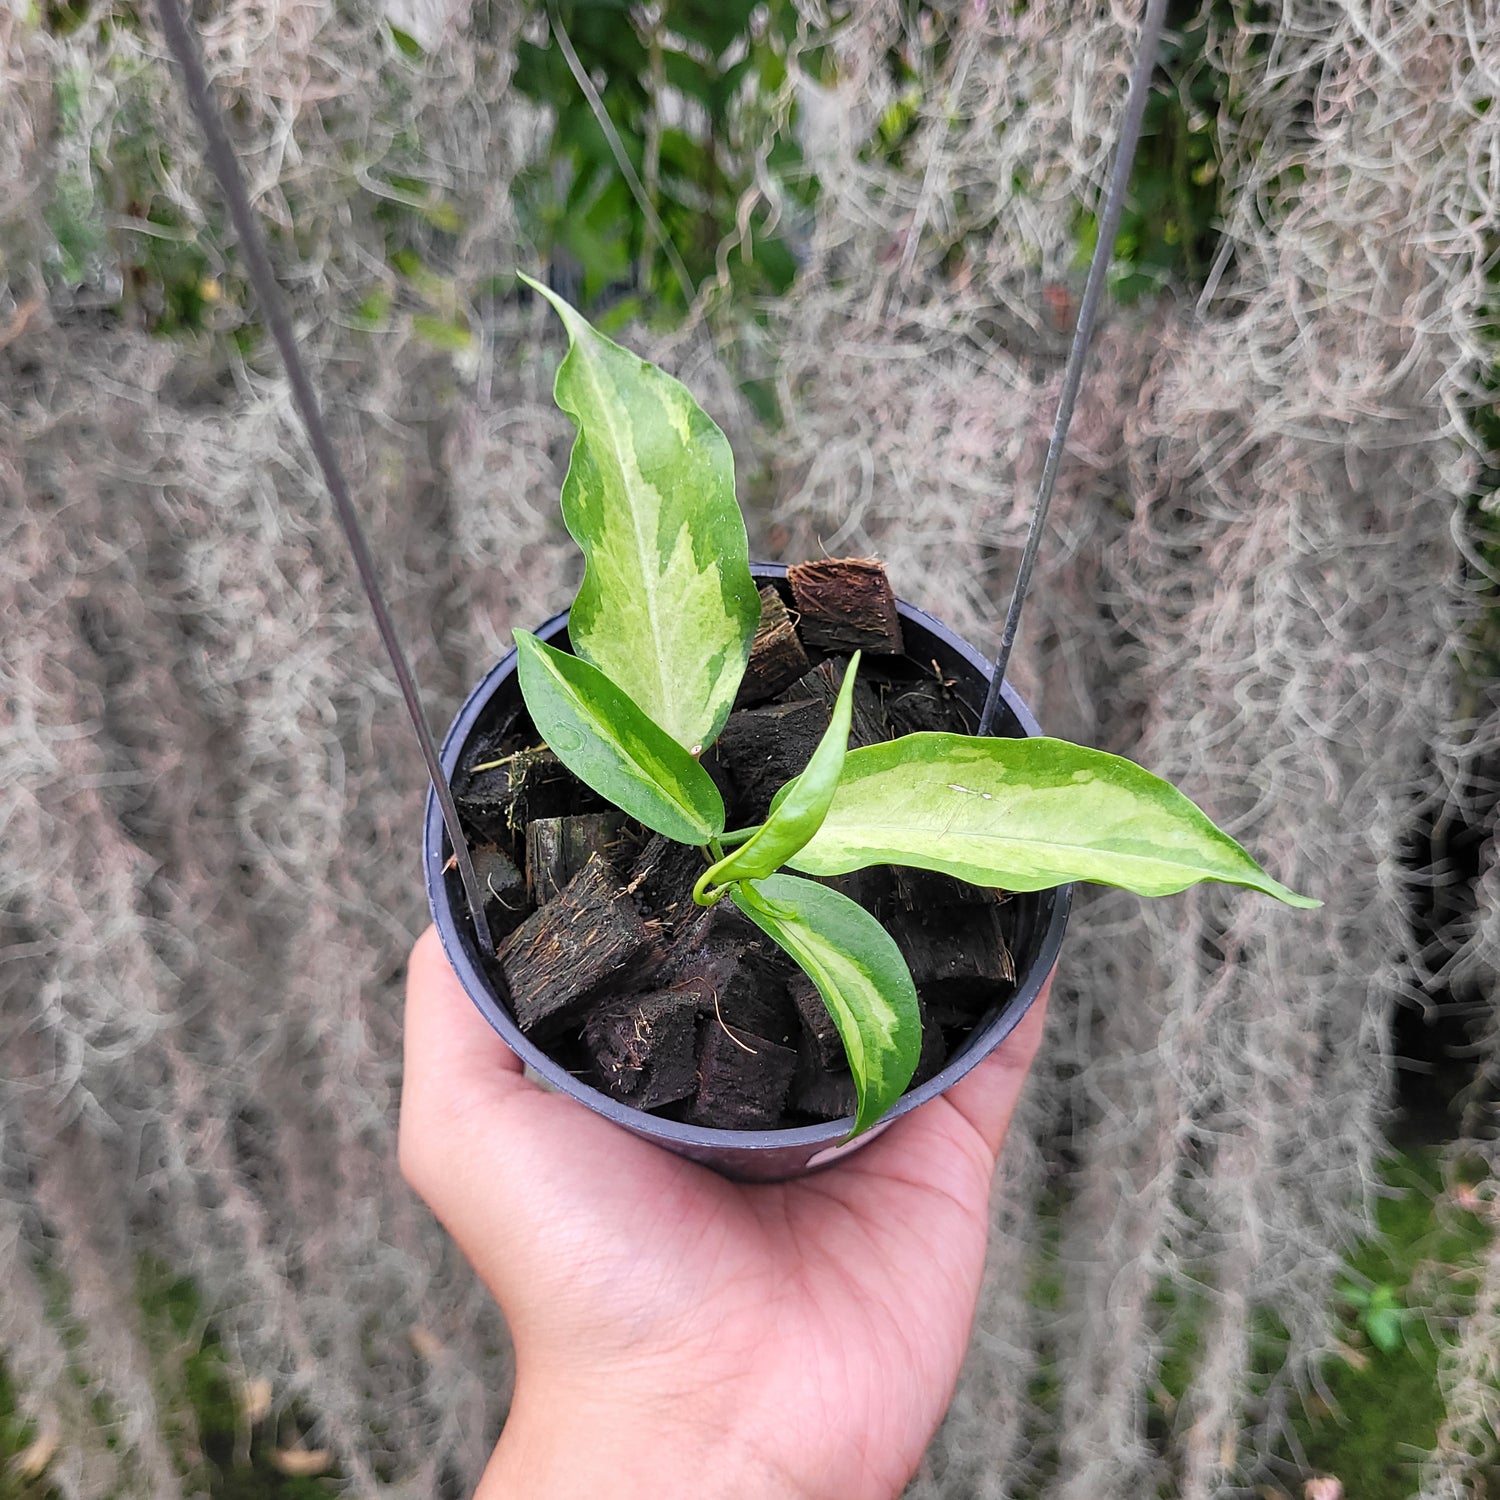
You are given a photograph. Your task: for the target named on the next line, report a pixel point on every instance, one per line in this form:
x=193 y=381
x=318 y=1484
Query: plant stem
x=737 y=836
x=651 y=166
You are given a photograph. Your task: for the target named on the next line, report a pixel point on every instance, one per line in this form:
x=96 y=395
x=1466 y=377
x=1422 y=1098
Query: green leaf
x=374 y=305
x=453 y=336
x=1024 y=815
x=405 y=40
x=667 y=608
x=442 y=215
x=798 y=809
x=1383 y=1325
x=689 y=76
x=860 y=974
x=609 y=744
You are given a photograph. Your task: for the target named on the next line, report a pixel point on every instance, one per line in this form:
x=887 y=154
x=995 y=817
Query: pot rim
x=459 y=945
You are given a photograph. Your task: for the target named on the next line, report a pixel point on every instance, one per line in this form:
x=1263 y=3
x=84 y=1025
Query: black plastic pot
x=755 y=1155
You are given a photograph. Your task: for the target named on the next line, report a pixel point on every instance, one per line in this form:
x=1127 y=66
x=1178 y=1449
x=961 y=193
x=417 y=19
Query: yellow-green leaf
x=1024 y=815
x=609 y=744
x=667 y=607
x=799 y=807
x=859 y=972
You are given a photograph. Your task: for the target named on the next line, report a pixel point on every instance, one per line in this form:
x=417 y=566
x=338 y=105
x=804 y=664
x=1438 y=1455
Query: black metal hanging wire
x=1083 y=333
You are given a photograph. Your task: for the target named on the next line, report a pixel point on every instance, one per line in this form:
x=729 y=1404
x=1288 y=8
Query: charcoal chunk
x=763 y=748
x=930 y=891
x=927 y=705
x=870 y=887
x=845 y=605
x=505 y=903
x=828 y=1093
x=867 y=722
x=499 y=796
x=822 y=1036
x=959 y=1005
x=934 y=1055
x=961 y=944
x=568 y=948
x=743 y=1080
x=661 y=879
x=744 y=970
x=558 y=848
x=644 y=1049
x=823 y=1093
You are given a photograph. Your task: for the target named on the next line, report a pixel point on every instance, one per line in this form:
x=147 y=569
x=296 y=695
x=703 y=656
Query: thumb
x=521 y=1177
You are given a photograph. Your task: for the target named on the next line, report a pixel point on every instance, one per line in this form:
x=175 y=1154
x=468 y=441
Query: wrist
x=630 y=1441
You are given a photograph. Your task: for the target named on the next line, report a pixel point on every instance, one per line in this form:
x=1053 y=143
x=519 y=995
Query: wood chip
x=644 y=1049
x=763 y=748
x=867 y=723
x=500 y=795
x=743 y=1080
x=776 y=656
x=558 y=848
x=561 y=953
x=846 y=604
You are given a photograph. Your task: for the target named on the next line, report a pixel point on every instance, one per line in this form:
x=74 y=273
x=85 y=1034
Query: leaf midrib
x=647 y=575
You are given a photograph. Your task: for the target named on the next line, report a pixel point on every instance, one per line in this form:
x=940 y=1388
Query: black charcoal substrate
x=614 y=971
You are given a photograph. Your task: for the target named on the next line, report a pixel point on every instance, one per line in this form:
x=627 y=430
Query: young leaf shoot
x=799 y=808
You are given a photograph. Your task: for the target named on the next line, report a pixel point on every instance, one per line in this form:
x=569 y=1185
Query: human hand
x=678 y=1334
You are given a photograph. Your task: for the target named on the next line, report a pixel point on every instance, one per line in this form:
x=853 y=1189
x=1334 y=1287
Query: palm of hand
x=818 y=1324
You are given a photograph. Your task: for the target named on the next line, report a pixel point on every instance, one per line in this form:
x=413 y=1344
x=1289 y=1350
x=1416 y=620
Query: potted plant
x=761 y=997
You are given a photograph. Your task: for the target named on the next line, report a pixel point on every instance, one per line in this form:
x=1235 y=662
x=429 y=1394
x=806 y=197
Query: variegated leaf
x=859 y=972
x=610 y=745
x=667 y=607
x=1024 y=815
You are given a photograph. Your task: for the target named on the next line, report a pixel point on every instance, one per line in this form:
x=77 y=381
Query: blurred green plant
x=673 y=158
x=1404 y=1291
x=1377 y=1310
x=120 y=234
x=1169 y=230
x=1385 y=1402
x=126 y=242
x=226 y=1438
x=24 y=1453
